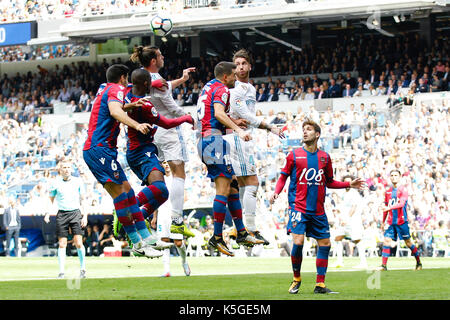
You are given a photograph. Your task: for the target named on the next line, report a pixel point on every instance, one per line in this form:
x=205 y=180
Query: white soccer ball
x=161 y=26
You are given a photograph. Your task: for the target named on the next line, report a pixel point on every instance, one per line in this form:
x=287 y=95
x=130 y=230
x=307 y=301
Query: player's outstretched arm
x=175 y=83
x=222 y=117
x=131 y=105
x=278 y=188
x=115 y=108
x=172 y=123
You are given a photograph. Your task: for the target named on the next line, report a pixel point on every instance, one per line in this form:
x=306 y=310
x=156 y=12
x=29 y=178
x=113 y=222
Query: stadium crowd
x=369 y=148
x=396 y=68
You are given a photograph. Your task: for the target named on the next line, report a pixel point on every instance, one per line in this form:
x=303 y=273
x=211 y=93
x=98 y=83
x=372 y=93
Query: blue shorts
x=104 y=166
x=400 y=231
x=143 y=161
x=215 y=154
x=307 y=224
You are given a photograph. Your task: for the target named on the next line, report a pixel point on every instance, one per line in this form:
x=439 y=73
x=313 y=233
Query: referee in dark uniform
x=68 y=192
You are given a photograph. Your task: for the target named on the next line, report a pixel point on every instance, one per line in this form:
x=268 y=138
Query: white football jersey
x=163 y=100
x=349 y=199
x=243 y=103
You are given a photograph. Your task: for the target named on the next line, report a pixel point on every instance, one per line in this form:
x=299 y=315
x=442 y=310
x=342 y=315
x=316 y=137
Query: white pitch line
x=209 y=274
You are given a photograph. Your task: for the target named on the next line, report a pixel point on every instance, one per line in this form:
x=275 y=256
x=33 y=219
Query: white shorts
x=352 y=231
x=170 y=144
x=164 y=221
x=242 y=155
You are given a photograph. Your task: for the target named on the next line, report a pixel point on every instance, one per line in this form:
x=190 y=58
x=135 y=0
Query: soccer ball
x=161 y=26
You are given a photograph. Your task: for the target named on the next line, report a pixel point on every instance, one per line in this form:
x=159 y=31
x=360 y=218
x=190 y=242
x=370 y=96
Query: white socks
x=176 y=197
x=249 y=206
x=61 y=259
x=361 y=252
x=182 y=252
x=166 y=260
x=339 y=251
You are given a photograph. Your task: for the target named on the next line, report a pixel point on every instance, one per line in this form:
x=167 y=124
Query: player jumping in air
x=310 y=172
x=394 y=209
x=242 y=154
x=100 y=155
x=170 y=142
x=213 y=106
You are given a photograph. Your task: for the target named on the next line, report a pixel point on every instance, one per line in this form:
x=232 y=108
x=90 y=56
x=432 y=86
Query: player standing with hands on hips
x=310 y=172
x=68 y=192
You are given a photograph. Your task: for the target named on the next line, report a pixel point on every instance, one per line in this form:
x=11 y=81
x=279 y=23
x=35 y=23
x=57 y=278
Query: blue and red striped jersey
x=213 y=92
x=395 y=197
x=145 y=114
x=309 y=174
x=103 y=128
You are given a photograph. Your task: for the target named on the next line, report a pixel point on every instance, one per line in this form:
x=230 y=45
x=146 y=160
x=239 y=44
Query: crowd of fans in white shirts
x=417 y=144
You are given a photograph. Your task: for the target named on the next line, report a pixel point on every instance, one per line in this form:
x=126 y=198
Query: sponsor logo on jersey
x=225 y=97
x=322 y=159
x=102 y=160
x=120 y=95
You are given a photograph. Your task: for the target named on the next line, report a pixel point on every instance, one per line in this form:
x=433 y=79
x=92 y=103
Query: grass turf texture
x=233 y=279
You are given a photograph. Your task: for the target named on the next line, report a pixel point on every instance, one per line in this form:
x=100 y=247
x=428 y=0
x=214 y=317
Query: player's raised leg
x=177 y=198
x=119 y=193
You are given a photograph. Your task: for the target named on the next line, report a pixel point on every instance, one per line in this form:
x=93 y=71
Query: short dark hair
x=144 y=55
x=139 y=76
x=116 y=71
x=348 y=177
x=223 y=68
x=312 y=123
x=242 y=53
x=395 y=170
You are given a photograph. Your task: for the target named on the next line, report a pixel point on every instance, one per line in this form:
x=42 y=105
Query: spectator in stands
x=64 y=95
x=348 y=91
x=272 y=96
x=261 y=96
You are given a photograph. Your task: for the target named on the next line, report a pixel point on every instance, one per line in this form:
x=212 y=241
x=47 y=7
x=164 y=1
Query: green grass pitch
x=219 y=278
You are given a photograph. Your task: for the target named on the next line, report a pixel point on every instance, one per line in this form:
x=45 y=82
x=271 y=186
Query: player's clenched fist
x=143 y=128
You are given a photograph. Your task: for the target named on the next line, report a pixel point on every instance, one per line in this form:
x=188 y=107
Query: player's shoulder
x=323 y=156
x=241 y=87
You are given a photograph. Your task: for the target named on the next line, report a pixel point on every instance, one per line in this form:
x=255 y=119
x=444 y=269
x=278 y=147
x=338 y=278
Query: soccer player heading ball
x=310 y=172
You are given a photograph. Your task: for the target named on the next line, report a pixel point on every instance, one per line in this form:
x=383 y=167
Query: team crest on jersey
x=225 y=98
x=294 y=224
x=120 y=95
x=154 y=112
x=116 y=174
x=229 y=169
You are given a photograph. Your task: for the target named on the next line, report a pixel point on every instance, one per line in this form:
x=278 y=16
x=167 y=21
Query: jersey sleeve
x=116 y=93
x=170 y=104
x=222 y=96
x=287 y=168
x=238 y=106
x=329 y=176
x=150 y=115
